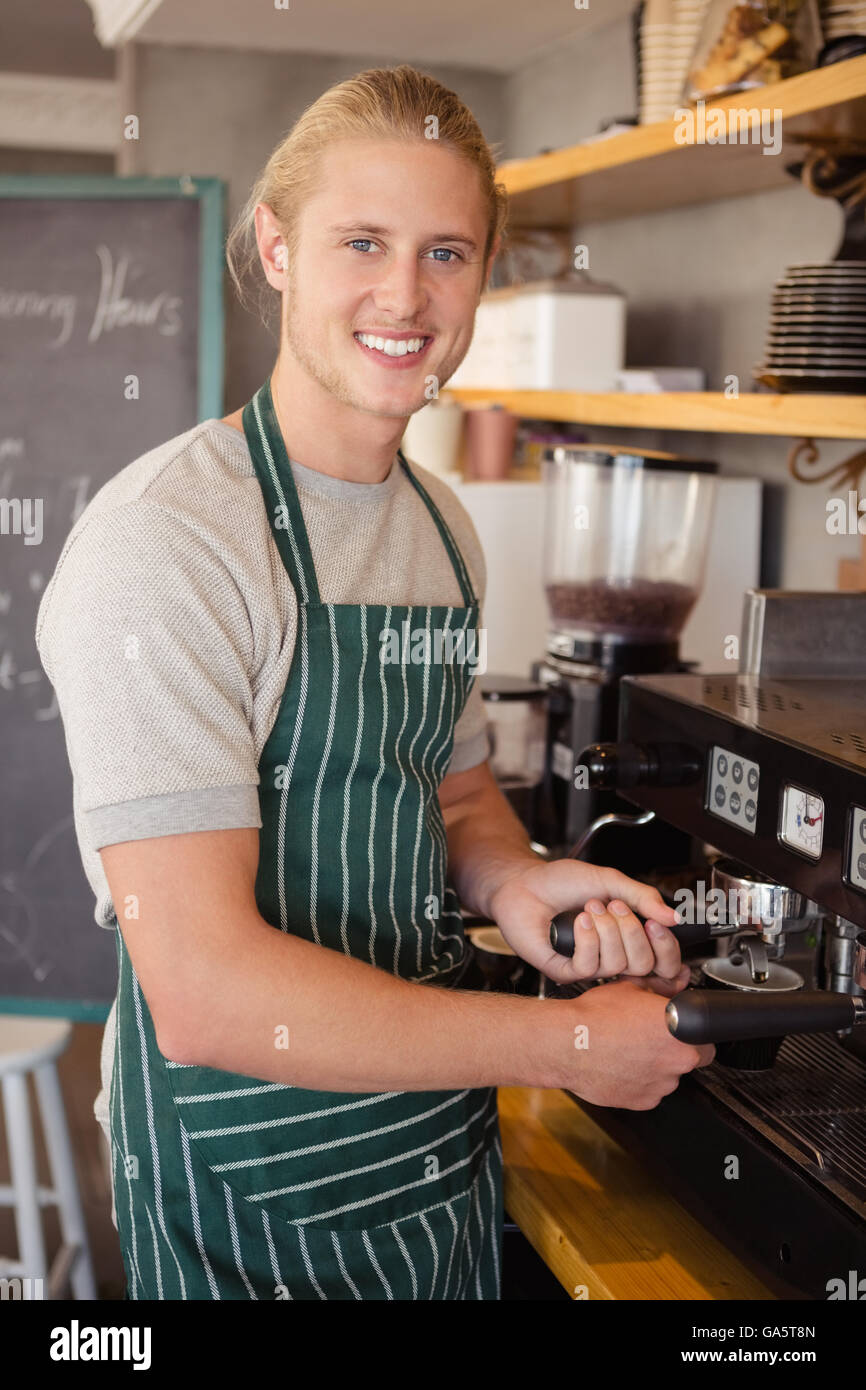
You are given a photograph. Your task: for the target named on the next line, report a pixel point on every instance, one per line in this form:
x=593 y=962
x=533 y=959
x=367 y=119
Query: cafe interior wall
x=698 y=282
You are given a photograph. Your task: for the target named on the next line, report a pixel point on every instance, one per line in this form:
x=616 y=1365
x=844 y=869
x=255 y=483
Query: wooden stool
x=32 y=1044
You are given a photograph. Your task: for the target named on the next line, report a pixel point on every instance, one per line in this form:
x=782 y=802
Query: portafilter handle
x=711 y=1016
x=562 y=932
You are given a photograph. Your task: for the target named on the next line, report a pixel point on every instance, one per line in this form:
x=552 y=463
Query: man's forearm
x=487 y=844
x=292 y=1012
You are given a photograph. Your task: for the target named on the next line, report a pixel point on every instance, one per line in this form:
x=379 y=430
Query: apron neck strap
x=265 y=441
x=271 y=462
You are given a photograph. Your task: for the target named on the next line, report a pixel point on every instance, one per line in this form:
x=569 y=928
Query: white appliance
x=508 y=517
x=550 y=335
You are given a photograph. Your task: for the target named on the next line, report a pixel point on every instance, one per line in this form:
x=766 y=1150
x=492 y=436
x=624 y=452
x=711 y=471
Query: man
x=278 y=820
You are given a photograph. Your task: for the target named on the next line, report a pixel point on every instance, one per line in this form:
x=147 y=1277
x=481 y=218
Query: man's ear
x=273 y=252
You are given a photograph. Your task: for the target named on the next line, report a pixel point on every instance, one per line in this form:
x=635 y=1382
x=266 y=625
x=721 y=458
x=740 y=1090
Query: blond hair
x=392 y=103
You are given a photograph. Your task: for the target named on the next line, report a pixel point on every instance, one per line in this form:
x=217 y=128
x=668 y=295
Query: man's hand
x=621 y=1052
x=609 y=937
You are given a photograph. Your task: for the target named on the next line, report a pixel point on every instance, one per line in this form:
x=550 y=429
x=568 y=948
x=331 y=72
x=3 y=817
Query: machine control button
x=854 y=871
x=727 y=772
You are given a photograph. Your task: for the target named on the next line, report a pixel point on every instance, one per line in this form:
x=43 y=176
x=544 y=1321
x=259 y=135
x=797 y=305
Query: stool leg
x=22 y=1162
x=63 y=1178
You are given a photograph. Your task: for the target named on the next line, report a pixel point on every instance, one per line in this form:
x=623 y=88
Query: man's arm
x=487 y=843
x=220 y=982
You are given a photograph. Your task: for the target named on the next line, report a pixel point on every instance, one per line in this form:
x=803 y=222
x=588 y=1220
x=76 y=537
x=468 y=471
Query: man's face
x=390 y=247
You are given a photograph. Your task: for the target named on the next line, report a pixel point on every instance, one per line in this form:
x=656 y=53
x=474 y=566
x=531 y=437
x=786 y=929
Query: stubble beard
x=330 y=377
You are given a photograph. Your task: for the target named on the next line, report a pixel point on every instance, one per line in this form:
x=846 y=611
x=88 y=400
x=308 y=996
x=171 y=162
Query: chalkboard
x=111 y=334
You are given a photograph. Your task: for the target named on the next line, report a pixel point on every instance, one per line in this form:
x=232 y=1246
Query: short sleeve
x=147 y=641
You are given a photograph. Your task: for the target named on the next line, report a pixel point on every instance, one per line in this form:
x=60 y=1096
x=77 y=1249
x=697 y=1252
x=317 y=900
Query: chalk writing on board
x=114 y=308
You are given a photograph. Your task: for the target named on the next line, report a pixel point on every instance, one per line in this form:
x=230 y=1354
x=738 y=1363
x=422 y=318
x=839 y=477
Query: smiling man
x=278 y=824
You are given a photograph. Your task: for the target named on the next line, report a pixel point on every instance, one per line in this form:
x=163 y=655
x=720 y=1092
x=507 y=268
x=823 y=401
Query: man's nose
x=400 y=292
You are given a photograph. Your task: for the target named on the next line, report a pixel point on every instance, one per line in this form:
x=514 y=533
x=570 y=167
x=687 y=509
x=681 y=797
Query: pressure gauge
x=802 y=821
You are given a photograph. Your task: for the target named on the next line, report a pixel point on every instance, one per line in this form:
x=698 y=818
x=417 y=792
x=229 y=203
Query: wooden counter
x=597 y=1219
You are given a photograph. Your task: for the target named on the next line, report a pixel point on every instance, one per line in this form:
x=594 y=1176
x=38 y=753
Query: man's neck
x=327 y=434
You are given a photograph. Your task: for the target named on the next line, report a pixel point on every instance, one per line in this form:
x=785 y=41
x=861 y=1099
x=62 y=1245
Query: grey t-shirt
x=169 y=624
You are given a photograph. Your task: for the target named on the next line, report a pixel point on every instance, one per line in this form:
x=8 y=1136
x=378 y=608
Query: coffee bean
x=629 y=608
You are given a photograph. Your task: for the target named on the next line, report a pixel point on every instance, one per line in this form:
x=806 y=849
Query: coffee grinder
x=626 y=535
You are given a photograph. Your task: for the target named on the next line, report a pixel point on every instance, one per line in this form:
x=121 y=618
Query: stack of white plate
x=841 y=17
x=817 y=337
x=668 y=37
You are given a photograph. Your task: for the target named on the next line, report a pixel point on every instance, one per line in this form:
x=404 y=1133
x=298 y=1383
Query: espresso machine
x=625 y=541
x=762 y=770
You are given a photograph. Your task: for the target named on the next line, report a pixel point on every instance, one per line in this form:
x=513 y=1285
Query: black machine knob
x=711 y=1016
x=612 y=765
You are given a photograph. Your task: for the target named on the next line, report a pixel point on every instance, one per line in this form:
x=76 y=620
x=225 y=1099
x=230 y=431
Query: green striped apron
x=227 y=1186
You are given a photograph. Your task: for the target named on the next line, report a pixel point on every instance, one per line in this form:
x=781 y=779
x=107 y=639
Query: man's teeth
x=394 y=347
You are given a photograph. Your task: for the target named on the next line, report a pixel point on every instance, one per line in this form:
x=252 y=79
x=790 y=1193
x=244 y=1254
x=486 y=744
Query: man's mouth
x=401 y=351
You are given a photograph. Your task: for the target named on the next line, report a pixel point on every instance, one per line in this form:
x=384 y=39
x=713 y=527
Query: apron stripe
x=196 y=1217
x=368 y=1246
x=409 y=1262
x=290 y=767
x=342 y=1264
x=344 y=860
x=272 y=1253
x=317 y=796
x=308 y=1266
x=236 y=1247
x=209 y=1096
x=380 y=1099
x=154 y=1246
x=380 y=772
x=395 y=817
x=453 y=1218
x=154 y=1146
x=434 y=1250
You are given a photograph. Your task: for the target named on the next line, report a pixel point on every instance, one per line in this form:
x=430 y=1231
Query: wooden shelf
x=754 y=412
x=584 y=183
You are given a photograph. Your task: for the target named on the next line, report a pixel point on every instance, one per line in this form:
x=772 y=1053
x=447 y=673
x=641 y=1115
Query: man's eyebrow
x=364 y=228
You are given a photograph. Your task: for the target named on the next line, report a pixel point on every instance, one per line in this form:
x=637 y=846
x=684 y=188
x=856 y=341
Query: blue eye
x=361 y=241
x=448 y=252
